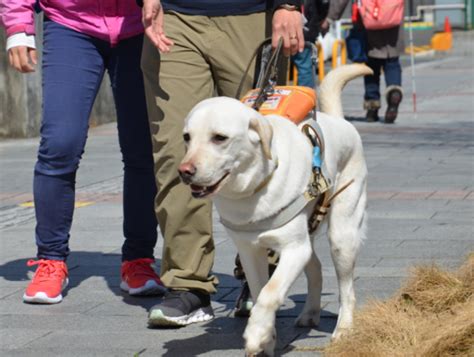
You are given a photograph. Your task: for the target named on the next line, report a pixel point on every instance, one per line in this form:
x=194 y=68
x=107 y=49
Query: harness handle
x=269 y=77
x=265 y=42
x=266 y=82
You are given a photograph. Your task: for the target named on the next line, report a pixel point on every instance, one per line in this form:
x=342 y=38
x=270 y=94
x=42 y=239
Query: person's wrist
x=289 y=5
x=20 y=39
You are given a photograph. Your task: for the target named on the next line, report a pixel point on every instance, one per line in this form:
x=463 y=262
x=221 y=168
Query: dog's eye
x=186 y=137
x=217 y=138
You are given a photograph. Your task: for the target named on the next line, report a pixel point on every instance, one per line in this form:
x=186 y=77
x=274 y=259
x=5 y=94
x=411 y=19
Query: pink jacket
x=109 y=20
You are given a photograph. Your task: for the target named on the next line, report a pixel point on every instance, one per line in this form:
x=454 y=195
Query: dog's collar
x=266 y=180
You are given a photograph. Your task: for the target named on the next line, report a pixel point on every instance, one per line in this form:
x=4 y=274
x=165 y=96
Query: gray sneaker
x=181 y=308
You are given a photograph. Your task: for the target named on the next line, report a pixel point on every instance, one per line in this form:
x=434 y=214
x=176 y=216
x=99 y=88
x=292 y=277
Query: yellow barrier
x=295 y=75
x=335 y=47
x=338 y=44
x=319 y=47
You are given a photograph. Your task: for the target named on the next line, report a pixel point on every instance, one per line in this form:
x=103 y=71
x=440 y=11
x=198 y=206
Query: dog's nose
x=186 y=171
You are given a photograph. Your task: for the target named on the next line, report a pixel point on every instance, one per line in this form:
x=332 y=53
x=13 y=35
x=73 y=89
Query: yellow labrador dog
x=254 y=166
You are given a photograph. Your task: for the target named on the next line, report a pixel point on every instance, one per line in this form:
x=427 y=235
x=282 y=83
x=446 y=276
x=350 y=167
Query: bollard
x=295 y=75
x=319 y=47
x=335 y=47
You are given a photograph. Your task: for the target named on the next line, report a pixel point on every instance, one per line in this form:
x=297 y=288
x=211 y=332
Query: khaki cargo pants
x=209 y=56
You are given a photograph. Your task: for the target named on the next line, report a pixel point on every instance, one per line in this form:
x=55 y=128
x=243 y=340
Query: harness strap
x=289 y=212
x=277 y=220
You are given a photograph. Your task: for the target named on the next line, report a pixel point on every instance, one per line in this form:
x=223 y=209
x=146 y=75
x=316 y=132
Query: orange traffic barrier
x=443 y=41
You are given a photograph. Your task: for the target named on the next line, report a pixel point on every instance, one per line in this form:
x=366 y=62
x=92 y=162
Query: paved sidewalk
x=421 y=211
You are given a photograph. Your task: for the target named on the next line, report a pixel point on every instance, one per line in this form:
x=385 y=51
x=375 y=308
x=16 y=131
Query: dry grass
x=431 y=315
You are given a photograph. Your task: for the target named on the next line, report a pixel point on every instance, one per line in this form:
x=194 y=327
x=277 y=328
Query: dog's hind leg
x=260 y=335
x=346 y=232
x=312 y=308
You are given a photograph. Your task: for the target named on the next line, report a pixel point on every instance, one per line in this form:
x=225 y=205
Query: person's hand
x=152 y=18
x=324 y=26
x=288 y=25
x=23 y=59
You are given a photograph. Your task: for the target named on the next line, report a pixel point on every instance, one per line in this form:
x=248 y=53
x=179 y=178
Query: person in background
x=195 y=49
x=384 y=48
x=82 y=40
x=315 y=11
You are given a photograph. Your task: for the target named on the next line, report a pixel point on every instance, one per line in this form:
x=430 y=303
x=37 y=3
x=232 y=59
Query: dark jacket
x=387 y=43
x=315 y=12
x=223 y=7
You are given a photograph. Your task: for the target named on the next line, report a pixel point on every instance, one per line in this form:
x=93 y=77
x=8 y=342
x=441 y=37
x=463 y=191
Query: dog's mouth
x=203 y=191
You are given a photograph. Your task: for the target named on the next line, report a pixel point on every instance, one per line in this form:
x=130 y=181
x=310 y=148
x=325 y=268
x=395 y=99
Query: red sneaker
x=139 y=278
x=49 y=281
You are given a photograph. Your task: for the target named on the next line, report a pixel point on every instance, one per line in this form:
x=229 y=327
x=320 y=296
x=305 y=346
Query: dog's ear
x=265 y=132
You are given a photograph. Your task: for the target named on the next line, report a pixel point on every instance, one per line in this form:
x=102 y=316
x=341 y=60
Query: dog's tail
x=331 y=87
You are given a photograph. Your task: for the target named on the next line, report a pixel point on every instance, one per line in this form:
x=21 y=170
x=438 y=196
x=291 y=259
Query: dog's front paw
x=261 y=354
x=260 y=341
x=343 y=326
x=308 y=318
x=339 y=332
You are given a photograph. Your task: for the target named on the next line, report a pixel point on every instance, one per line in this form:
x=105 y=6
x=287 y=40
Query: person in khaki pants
x=192 y=52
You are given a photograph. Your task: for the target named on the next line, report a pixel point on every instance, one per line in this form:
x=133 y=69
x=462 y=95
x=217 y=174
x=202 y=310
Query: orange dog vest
x=292 y=102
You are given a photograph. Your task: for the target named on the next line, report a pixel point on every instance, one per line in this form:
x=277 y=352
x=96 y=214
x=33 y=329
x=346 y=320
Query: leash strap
x=322 y=207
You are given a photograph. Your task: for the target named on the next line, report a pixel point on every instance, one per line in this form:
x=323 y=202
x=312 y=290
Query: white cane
x=412 y=60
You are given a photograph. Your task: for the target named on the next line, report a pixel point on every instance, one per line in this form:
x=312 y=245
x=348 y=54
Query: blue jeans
x=392 y=72
x=73 y=69
x=305 y=69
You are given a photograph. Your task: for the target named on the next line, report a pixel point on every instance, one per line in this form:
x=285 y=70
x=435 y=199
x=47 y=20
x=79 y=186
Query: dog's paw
x=260 y=341
x=308 y=319
x=339 y=332
x=260 y=354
